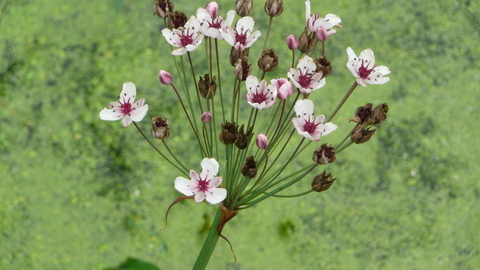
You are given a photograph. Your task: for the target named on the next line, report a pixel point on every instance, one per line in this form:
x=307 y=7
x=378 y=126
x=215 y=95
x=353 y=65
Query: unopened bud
x=249 y=169
x=206 y=117
x=292 y=42
x=321 y=34
x=159 y=127
x=262 y=141
x=323 y=65
x=268 y=61
x=165 y=77
x=212 y=9
x=284 y=87
x=207 y=87
x=176 y=20
x=163 y=8
x=228 y=135
x=361 y=134
x=236 y=54
x=324 y=154
x=274 y=7
x=323 y=181
x=243 y=7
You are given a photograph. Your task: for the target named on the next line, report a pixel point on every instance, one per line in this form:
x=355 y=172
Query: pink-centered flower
x=241 y=37
x=211 y=24
x=305 y=78
x=126 y=108
x=307 y=125
x=259 y=95
x=364 y=68
x=203 y=185
x=314 y=22
x=187 y=38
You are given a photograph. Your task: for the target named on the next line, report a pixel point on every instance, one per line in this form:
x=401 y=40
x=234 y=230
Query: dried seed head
x=324 y=154
x=322 y=181
x=269 y=60
x=249 y=169
x=160 y=128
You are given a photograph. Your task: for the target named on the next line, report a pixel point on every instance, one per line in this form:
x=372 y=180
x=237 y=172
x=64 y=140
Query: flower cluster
x=238 y=173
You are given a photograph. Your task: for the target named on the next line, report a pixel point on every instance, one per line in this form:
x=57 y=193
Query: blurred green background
x=80 y=193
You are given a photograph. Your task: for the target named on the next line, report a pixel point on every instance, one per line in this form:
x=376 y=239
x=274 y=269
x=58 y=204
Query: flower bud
x=322 y=181
x=324 y=154
x=243 y=7
x=163 y=8
x=269 y=60
x=207 y=87
x=165 y=77
x=292 y=42
x=243 y=138
x=159 y=127
x=249 y=169
x=323 y=65
x=361 y=134
x=379 y=114
x=274 y=7
x=284 y=87
x=206 y=117
x=212 y=9
x=321 y=34
x=228 y=135
x=176 y=20
x=362 y=114
x=262 y=141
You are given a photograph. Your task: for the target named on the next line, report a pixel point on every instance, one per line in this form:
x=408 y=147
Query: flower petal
x=139 y=113
x=110 y=115
x=128 y=92
x=216 y=195
x=199 y=197
x=184 y=186
x=209 y=166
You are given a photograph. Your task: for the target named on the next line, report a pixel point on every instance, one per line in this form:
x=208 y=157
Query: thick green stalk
x=209 y=244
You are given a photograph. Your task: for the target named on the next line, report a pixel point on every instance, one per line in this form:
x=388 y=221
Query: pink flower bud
x=292 y=42
x=165 y=77
x=212 y=9
x=284 y=87
x=262 y=141
x=206 y=117
x=321 y=34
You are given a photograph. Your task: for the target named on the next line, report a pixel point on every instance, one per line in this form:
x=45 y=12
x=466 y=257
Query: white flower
x=204 y=184
x=364 y=69
x=241 y=37
x=314 y=22
x=126 y=107
x=259 y=95
x=305 y=78
x=212 y=25
x=308 y=126
x=186 y=38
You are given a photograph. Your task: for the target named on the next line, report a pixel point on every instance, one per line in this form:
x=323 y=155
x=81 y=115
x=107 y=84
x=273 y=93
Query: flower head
x=126 y=108
x=241 y=37
x=259 y=95
x=211 y=24
x=325 y=24
x=186 y=38
x=203 y=185
x=364 y=68
x=305 y=78
x=308 y=126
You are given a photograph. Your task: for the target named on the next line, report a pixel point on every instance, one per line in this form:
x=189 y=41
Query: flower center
x=364 y=71
x=186 y=39
x=241 y=37
x=203 y=185
x=126 y=107
x=259 y=97
x=309 y=127
x=216 y=23
x=305 y=79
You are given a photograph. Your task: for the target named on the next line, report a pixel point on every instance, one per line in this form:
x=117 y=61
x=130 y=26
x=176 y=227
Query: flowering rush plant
x=249 y=129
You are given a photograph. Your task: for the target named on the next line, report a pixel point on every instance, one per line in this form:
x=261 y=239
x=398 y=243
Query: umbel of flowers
x=249 y=129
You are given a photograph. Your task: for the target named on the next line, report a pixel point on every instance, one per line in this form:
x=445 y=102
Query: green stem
x=342 y=102
x=209 y=244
